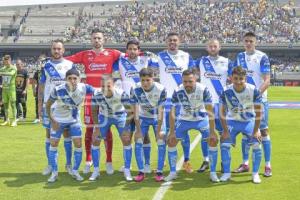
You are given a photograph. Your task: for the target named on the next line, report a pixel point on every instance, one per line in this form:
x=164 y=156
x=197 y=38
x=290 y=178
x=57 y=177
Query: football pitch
x=22 y=160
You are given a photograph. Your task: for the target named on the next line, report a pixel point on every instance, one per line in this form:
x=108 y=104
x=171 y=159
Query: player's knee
x=264 y=133
x=126 y=139
x=96 y=142
x=66 y=134
x=161 y=142
x=54 y=142
x=147 y=139
x=172 y=143
x=77 y=142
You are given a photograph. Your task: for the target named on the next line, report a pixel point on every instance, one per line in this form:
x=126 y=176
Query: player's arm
x=77 y=58
x=223 y=108
x=135 y=106
x=265 y=70
x=49 y=103
x=266 y=84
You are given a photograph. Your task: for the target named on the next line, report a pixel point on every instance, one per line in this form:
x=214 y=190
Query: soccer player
x=22 y=83
x=113 y=104
x=66 y=115
x=214 y=72
x=129 y=67
x=196 y=112
x=257 y=65
x=148 y=99
x=53 y=73
x=240 y=113
x=172 y=62
x=96 y=61
x=9 y=73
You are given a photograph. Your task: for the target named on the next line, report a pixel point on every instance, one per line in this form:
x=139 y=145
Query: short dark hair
x=188 y=72
x=7 y=57
x=146 y=72
x=57 y=41
x=240 y=71
x=97 y=30
x=133 y=41
x=72 y=71
x=172 y=34
x=249 y=34
x=106 y=77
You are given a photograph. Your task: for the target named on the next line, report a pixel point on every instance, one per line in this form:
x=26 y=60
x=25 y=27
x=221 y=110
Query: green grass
x=22 y=159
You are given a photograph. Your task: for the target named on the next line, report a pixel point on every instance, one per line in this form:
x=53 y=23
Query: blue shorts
x=146 y=122
x=182 y=127
x=107 y=122
x=217 y=117
x=45 y=119
x=265 y=116
x=74 y=130
x=236 y=127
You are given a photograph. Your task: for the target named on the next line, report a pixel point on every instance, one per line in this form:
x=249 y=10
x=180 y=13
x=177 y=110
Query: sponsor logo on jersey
x=96 y=66
x=173 y=70
x=212 y=75
x=56 y=81
x=131 y=74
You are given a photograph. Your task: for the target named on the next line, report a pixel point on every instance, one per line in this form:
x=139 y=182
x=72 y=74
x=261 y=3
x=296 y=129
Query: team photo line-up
x=230 y=98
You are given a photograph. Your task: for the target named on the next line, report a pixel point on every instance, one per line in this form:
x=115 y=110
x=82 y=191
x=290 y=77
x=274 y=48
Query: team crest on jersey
x=105 y=53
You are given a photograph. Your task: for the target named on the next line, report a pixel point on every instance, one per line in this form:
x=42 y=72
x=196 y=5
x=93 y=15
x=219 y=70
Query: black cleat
x=204 y=167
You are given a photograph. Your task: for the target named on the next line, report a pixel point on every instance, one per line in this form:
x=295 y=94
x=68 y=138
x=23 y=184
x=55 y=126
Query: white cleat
x=127 y=175
x=170 y=177
x=256 y=179
x=147 y=169
x=95 y=175
x=109 y=168
x=225 y=177
x=53 y=177
x=214 y=178
x=69 y=169
x=122 y=169
x=87 y=167
x=76 y=175
x=14 y=123
x=47 y=171
x=36 y=121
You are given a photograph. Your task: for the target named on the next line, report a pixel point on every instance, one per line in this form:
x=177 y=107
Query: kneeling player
x=149 y=98
x=112 y=103
x=66 y=115
x=195 y=105
x=240 y=113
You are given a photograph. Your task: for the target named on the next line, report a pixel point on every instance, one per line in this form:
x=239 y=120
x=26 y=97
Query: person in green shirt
x=9 y=73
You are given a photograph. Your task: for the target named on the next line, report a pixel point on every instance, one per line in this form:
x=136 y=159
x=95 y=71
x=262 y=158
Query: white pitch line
x=160 y=193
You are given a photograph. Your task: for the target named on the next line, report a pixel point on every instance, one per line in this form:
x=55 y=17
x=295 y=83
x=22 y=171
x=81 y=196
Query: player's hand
x=224 y=136
x=257 y=136
x=213 y=139
x=24 y=92
x=54 y=125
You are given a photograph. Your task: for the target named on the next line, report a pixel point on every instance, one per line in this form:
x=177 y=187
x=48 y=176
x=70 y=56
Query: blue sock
x=68 y=150
x=127 y=154
x=186 y=143
x=95 y=156
x=53 y=158
x=139 y=154
x=225 y=157
x=267 y=148
x=172 y=156
x=245 y=150
x=147 y=151
x=77 y=158
x=256 y=157
x=47 y=147
x=204 y=148
x=213 y=158
x=161 y=145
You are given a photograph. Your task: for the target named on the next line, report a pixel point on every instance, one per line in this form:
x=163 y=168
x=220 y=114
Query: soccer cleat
x=214 y=177
x=241 y=169
x=171 y=176
x=204 y=167
x=14 y=123
x=225 y=177
x=187 y=167
x=47 y=170
x=268 y=172
x=53 y=177
x=122 y=169
x=36 y=121
x=256 y=179
x=147 y=169
x=140 y=177
x=76 y=175
x=127 y=175
x=95 y=175
x=69 y=169
x=87 y=167
x=5 y=123
x=109 y=168
x=159 y=177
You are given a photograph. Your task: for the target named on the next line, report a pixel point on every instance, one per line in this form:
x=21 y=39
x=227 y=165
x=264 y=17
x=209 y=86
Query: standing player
x=68 y=98
x=172 y=62
x=22 y=83
x=214 y=72
x=96 y=61
x=195 y=105
x=149 y=98
x=257 y=65
x=53 y=73
x=129 y=67
x=240 y=113
x=9 y=73
x=113 y=104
